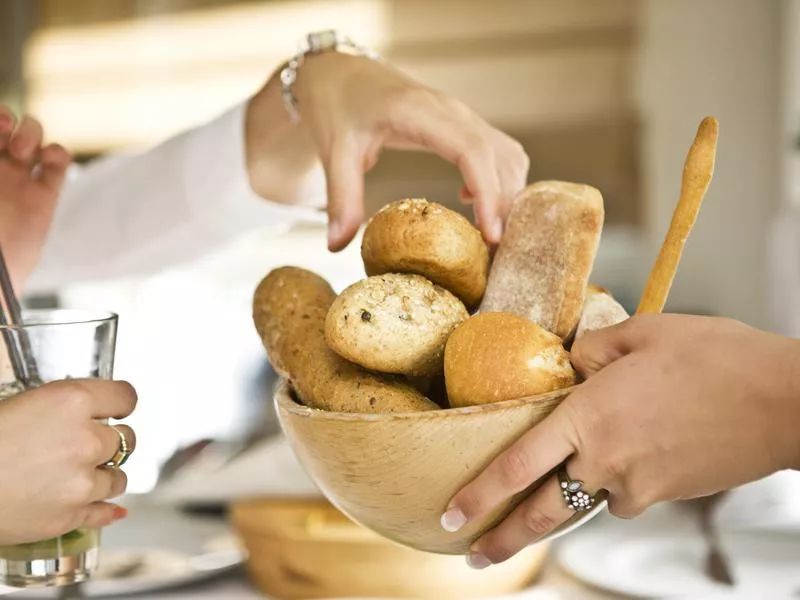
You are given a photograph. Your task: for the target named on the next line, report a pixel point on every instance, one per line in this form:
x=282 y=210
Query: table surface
x=148 y=523
x=558 y=584
x=151 y=525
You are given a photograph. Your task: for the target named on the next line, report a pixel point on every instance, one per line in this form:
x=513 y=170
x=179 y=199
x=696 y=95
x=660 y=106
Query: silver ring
x=572 y=491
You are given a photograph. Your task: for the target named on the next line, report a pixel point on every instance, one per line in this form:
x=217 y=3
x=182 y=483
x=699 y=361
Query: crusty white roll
x=497 y=356
x=600 y=310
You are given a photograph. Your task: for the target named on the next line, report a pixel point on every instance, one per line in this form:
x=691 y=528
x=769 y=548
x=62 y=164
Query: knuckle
x=464 y=113
x=470 y=502
x=537 y=521
x=76 y=397
x=614 y=467
x=581 y=422
x=643 y=496
x=78 y=489
x=515 y=469
x=495 y=549
x=577 y=354
x=479 y=149
x=406 y=99
x=87 y=447
x=632 y=500
x=624 y=509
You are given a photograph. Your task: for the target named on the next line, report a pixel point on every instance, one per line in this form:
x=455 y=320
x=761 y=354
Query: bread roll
x=600 y=309
x=425 y=238
x=289 y=310
x=394 y=323
x=546 y=254
x=497 y=356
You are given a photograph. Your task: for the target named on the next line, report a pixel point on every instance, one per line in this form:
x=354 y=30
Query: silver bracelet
x=315 y=43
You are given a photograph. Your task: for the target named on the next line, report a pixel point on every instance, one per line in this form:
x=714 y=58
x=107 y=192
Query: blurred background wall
x=607 y=92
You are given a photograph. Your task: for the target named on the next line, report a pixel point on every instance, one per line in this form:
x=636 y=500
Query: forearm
x=134 y=215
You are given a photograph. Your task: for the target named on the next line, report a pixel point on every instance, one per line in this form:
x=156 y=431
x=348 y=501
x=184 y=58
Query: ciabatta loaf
x=547 y=252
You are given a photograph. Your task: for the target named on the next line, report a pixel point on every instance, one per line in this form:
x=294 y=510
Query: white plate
x=174 y=549
x=655 y=567
x=667 y=561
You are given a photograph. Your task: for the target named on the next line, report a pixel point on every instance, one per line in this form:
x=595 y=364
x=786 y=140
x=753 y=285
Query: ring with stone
x=574 y=495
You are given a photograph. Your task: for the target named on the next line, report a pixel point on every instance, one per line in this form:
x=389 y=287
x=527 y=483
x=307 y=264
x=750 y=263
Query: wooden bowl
x=300 y=549
x=396 y=473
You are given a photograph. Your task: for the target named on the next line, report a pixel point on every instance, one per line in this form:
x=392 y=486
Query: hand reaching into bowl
x=351 y=108
x=674 y=407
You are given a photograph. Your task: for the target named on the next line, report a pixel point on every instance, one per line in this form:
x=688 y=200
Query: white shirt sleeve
x=129 y=215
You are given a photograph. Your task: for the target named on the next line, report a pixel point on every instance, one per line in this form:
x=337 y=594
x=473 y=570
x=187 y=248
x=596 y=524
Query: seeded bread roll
x=394 y=323
x=599 y=310
x=501 y=356
x=547 y=252
x=425 y=238
x=289 y=310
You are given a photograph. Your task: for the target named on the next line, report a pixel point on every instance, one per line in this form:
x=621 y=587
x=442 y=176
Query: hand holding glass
x=55 y=447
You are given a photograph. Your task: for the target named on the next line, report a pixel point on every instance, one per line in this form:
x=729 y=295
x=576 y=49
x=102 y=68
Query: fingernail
x=497 y=229
x=334 y=232
x=453 y=520
x=478 y=561
x=120 y=513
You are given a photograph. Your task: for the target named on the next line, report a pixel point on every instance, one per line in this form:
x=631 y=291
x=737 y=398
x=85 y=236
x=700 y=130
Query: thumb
x=344 y=174
x=55 y=161
x=598 y=349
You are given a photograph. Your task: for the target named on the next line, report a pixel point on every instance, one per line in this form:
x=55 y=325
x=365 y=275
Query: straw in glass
x=19 y=348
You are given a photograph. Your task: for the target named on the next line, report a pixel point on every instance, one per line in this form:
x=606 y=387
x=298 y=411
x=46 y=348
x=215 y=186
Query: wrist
x=280 y=149
x=279 y=153
x=794 y=400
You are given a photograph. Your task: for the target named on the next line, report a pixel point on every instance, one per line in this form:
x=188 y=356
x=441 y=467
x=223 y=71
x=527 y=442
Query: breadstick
x=697 y=172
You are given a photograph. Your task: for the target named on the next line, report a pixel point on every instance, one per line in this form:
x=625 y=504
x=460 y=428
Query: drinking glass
x=64 y=344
